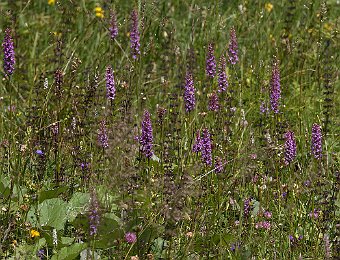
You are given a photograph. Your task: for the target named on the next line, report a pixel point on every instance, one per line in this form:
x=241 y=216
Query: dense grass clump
x=169 y=129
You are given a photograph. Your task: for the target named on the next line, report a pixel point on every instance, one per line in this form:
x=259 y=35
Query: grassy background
x=178 y=207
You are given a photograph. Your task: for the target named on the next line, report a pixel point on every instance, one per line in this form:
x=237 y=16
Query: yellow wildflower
x=98 y=9
x=35 y=233
x=99 y=12
x=14 y=243
x=327 y=27
x=57 y=34
x=268 y=7
x=51 y=2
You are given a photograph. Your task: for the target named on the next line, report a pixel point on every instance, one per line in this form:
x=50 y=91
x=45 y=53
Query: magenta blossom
x=130 y=237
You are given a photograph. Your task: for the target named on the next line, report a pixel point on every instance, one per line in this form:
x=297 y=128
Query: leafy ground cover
x=169 y=129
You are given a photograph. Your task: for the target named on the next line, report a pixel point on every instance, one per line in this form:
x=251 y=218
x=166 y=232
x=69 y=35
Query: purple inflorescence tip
x=39 y=152
x=267 y=214
x=219 y=167
x=213 y=102
x=233 y=47
x=102 y=135
x=275 y=87
x=113 y=26
x=146 y=139
x=189 y=93
x=110 y=84
x=134 y=35
x=246 y=207
x=263 y=108
x=9 y=55
x=290 y=147
x=222 y=75
x=314 y=213
x=94 y=214
x=58 y=81
x=263 y=225
x=328 y=249
x=316 y=143
x=210 y=62
x=197 y=147
x=41 y=253
x=206 y=148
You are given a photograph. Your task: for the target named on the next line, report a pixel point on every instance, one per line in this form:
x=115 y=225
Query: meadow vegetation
x=169 y=129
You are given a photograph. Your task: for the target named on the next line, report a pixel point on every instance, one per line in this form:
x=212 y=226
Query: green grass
x=178 y=207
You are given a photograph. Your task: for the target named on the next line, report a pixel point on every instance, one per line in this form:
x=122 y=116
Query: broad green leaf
x=32 y=216
x=23 y=251
x=112 y=216
x=5 y=187
x=256 y=208
x=67 y=240
x=50 y=194
x=70 y=252
x=77 y=204
x=89 y=254
x=158 y=247
x=149 y=234
x=41 y=243
x=108 y=231
x=53 y=213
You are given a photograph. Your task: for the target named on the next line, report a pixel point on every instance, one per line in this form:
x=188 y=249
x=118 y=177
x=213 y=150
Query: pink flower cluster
x=263 y=224
x=314 y=214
